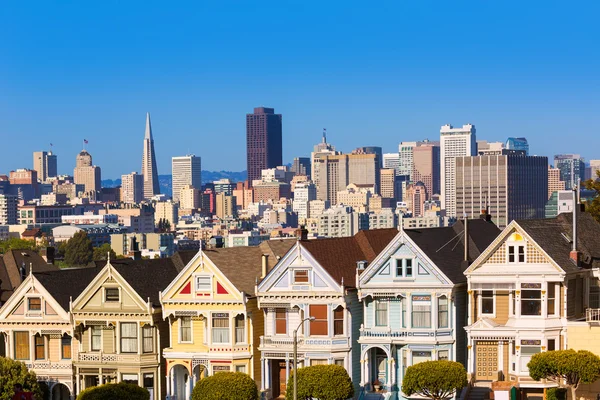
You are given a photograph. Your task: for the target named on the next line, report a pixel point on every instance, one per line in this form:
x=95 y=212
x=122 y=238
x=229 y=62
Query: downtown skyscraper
x=263 y=141
x=149 y=171
x=186 y=171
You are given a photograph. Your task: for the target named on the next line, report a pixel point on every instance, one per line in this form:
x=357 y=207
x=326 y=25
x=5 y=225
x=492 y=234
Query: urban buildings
x=149 y=170
x=572 y=169
x=594 y=169
x=510 y=187
x=554 y=182
x=454 y=142
x=301 y=166
x=224 y=185
x=392 y=161
x=341 y=221
x=387 y=182
x=426 y=166
x=225 y=206
x=405 y=151
x=132 y=188
x=320 y=150
x=485 y=148
x=190 y=198
x=304 y=193
x=518 y=144
x=186 y=171
x=371 y=150
x=263 y=141
x=560 y=202
x=8 y=209
x=87 y=174
x=127 y=243
x=355 y=196
x=416 y=195
x=166 y=211
x=45 y=164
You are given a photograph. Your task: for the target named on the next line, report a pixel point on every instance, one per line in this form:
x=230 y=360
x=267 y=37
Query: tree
x=79 y=250
x=226 y=385
x=112 y=391
x=101 y=253
x=436 y=380
x=14 y=243
x=593 y=206
x=323 y=382
x=13 y=372
x=567 y=368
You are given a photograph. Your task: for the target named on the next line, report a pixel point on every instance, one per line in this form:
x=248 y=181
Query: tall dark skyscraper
x=149 y=170
x=263 y=141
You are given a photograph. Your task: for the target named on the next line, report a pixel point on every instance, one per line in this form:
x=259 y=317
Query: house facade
x=525 y=290
x=213 y=318
x=414 y=297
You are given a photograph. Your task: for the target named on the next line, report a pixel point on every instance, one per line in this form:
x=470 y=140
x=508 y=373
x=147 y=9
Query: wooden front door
x=279 y=383
x=282 y=380
x=486 y=366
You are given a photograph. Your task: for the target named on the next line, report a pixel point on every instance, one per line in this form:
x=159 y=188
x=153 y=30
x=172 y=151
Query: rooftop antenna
x=51 y=147
x=324 y=135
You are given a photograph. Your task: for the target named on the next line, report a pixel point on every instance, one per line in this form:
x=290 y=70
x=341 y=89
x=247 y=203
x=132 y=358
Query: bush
x=115 y=391
x=323 y=382
x=434 y=379
x=13 y=372
x=226 y=386
x=556 y=394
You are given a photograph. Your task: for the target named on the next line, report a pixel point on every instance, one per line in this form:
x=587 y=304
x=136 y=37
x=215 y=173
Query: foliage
x=556 y=394
x=79 y=250
x=323 y=382
x=593 y=206
x=14 y=243
x=163 y=225
x=13 y=372
x=101 y=253
x=567 y=368
x=434 y=379
x=226 y=386
x=112 y=391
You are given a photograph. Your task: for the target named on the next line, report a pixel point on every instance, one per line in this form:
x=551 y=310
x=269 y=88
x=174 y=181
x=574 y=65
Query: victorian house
x=526 y=290
x=414 y=297
x=312 y=291
x=213 y=317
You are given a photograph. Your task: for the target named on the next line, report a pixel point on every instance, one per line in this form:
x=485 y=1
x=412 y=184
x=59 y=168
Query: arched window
x=338 y=321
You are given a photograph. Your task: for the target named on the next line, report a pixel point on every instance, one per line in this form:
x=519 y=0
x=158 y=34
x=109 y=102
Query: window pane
x=203 y=284
x=185 y=327
x=421 y=314
x=443 y=355
x=22 y=345
x=301 y=276
x=35 y=304
x=280 y=321
x=551 y=344
x=96 y=338
x=40 y=352
x=443 y=312
x=220 y=328
x=148 y=343
x=487 y=302
x=408 y=267
x=531 y=302
x=338 y=321
x=521 y=253
x=319 y=325
x=240 y=331
x=66 y=347
x=511 y=254
x=129 y=337
x=551 y=298
x=112 y=294
x=399 y=268
x=381 y=313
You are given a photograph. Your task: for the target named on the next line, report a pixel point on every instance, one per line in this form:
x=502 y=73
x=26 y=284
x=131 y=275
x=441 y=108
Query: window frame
x=94 y=328
x=337 y=321
x=551 y=300
x=111 y=299
x=145 y=329
x=516 y=253
x=241 y=328
x=440 y=312
x=27 y=339
x=417 y=299
x=221 y=316
x=483 y=298
x=318 y=322
x=29 y=309
x=197 y=286
x=123 y=338
x=39 y=343
x=377 y=308
x=531 y=287
x=295 y=280
x=64 y=345
x=181 y=328
x=277 y=320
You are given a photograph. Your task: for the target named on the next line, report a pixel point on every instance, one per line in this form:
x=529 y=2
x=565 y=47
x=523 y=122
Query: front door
x=282 y=380
x=486 y=366
x=279 y=382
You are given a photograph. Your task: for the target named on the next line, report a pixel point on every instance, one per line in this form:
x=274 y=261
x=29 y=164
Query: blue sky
x=372 y=73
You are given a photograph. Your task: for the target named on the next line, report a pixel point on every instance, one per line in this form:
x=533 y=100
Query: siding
x=505 y=366
x=562 y=300
x=257 y=323
x=54 y=349
x=460 y=321
x=502 y=299
x=356 y=319
x=395 y=314
x=369 y=307
x=108 y=341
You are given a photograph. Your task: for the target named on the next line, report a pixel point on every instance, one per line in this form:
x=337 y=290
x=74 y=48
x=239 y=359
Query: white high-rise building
x=304 y=192
x=405 y=150
x=454 y=142
x=132 y=188
x=392 y=161
x=187 y=171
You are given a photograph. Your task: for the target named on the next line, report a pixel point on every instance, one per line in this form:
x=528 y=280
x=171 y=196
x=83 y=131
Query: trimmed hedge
x=556 y=394
x=226 y=386
x=115 y=391
x=323 y=382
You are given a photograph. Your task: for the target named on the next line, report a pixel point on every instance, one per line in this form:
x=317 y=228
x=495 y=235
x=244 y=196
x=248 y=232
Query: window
x=111 y=294
x=21 y=345
x=129 y=378
x=240 y=331
x=420 y=356
x=318 y=327
x=511 y=254
x=149 y=381
x=129 y=337
x=404 y=267
x=220 y=328
x=381 y=313
x=339 y=361
x=148 y=339
x=531 y=299
x=204 y=284
x=487 y=302
x=551 y=298
x=96 y=334
x=220 y=368
x=185 y=329
x=280 y=321
x=301 y=276
x=551 y=344
x=338 y=321
x=408 y=267
x=240 y=368
x=421 y=312
x=40 y=347
x=443 y=312
x=318 y=362
x=521 y=254
x=443 y=355
x=399 y=271
x=514 y=251
x=65 y=346
x=34 y=304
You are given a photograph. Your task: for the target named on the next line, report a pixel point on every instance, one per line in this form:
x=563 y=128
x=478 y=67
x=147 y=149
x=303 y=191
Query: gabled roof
x=11 y=265
x=338 y=256
x=182 y=258
x=445 y=246
x=555 y=235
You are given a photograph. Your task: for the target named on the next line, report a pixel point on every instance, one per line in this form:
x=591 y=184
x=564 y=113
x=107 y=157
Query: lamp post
x=296 y=355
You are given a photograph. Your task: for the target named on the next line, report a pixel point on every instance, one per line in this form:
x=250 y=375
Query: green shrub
x=436 y=380
x=226 y=386
x=556 y=394
x=115 y=391
x=13 y=372
x=323 y=382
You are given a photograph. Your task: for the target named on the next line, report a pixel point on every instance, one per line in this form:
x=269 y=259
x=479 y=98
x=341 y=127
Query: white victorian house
x=414 y=296
x=315 y=278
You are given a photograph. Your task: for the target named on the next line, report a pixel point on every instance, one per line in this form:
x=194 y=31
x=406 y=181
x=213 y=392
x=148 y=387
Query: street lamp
x=296 y=355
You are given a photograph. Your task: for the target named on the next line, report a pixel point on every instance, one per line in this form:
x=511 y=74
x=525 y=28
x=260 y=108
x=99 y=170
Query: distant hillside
x=164 y=181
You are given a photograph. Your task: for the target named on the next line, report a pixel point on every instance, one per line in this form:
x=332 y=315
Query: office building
x=485 y=148
x=8 y=209
x=426 y=167
x=186 y=171
x=243 y=194
x=87 y=174
x=416 y=195
x=554 y=182
x=509 y=186
x=594 y=169
x=405 y=151
x=320 y=150
x=166 y=211
x=356 y=197
x=160 y=243
x=246 y=238
x=392 y=161
x=132 y=188
x=341 y=221
x=190 y=198
x=560 y=202
x=45 y=164
x=225 y=206
x=454 y=142
x=23 y=176
x=263 y=141
x=518 y=144
x=383 y=219
x=572 y=169
x=224 y=185
x=149 y=170
x=271 y=191
x=138 y=219
x=371 y=150
x=301 y=166
x=304 y=193
x=387 y=181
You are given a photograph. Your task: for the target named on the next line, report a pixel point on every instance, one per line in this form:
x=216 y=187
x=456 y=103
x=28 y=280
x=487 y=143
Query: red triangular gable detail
x=221 y=289
x=187 y=289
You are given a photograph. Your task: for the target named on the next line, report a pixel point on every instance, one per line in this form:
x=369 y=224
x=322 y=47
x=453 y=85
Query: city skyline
x=369 y=80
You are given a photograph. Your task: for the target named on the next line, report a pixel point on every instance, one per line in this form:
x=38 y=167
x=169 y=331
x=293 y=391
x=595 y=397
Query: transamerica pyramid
x=149 y=170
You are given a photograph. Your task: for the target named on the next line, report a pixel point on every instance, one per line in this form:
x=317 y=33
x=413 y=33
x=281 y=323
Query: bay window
x=318 y=326
x=381 y=313
x=220 y=328
x=129 y=340
x=531 y=299
x=421 y=311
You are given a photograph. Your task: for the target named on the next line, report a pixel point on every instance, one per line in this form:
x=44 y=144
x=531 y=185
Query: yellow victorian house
x=215 y=324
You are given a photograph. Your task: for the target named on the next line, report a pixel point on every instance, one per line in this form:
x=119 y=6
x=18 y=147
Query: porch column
x=362 y=372
x=392 y=369
x=267 y=374
x=100 y=377
x=77 y=384
x=472 y=356
x=168 y=387
x=188 y=387
x=287 y=368
x=173 y=383
x=367 y=377
x=262 y=374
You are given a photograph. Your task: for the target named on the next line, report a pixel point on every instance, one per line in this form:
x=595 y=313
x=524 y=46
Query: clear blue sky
x=372 y=73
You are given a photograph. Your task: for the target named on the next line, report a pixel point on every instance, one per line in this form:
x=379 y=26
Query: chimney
x=265 y=264
x=361 y=265
x=466 y=240
x=575 y=254
x=302 y=233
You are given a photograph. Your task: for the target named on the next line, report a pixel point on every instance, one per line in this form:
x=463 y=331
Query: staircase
x=480 y=391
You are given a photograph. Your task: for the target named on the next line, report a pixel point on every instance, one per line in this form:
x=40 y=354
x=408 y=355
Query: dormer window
x=300 y=276
x=204 y=284
x=516 y=251
x=34 y=304
x=404 y=268
x=111 y=295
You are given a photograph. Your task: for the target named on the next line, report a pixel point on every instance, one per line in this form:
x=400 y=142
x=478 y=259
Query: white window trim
x=34 y=313
x=231 y=341
x=195 y=288
x=516 y=246
x=480 y=303
x=403 y=277
x=287 y=323
x=191 y=331
x=293 y=276
x=543 y=300
x=104 y=295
